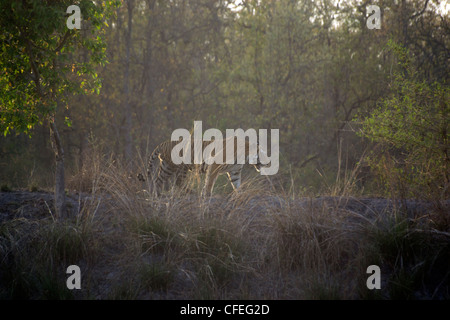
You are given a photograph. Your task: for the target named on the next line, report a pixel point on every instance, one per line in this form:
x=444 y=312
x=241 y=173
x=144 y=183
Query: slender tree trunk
x=126 y=86
x=60 y=197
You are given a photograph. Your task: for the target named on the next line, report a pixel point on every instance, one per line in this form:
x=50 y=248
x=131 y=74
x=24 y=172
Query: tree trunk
x=126 y=88
x=60 y=197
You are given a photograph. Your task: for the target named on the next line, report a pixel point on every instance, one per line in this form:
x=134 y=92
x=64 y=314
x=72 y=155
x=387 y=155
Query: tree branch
x=421 y=12
x=307 y=160
x=62 y=42
x=34 y=68
x=59 y=151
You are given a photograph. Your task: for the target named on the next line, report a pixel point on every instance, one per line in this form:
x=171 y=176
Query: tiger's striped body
x=161 y=168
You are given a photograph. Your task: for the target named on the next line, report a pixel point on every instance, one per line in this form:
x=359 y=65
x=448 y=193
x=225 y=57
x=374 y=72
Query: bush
x=411 y=128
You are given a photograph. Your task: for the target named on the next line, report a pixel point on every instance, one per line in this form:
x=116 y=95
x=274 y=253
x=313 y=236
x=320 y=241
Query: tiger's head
x=255 y=159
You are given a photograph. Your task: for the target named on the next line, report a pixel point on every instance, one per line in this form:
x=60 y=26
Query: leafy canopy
x=37 y=57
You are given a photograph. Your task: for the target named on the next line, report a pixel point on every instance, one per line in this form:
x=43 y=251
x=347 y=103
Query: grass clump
x=156 y=275
x=414 y=256
x=36 y=254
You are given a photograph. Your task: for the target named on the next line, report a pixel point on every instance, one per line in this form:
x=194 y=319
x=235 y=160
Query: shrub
x=411 y=128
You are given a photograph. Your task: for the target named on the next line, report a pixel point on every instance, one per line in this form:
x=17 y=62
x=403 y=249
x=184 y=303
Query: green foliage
x=411 y=125
x=37 y=61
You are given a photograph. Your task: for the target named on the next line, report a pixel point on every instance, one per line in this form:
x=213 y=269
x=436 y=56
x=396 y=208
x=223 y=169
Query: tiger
x=161 y=168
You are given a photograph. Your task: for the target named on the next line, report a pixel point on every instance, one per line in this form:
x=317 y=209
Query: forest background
x=351 y=103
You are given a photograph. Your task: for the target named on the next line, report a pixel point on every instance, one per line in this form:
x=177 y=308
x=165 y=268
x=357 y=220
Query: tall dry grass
x=259 y=242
